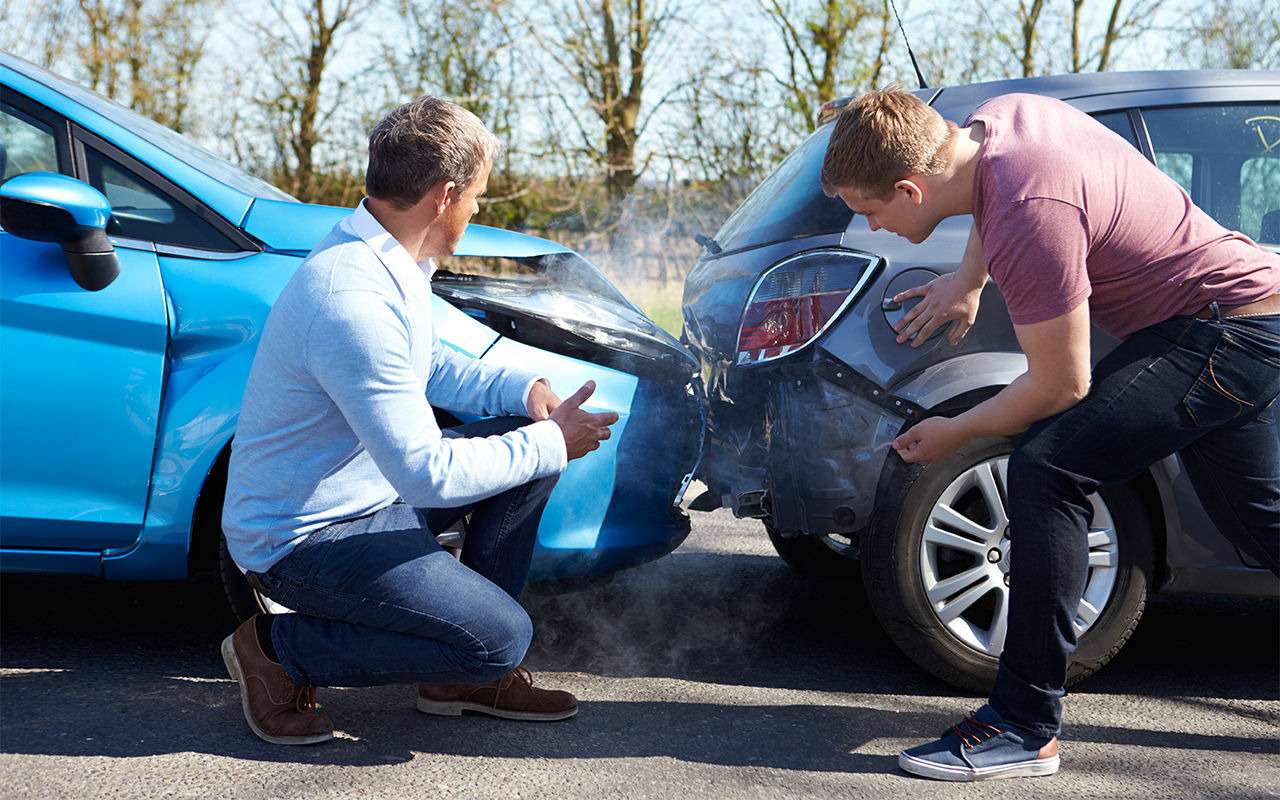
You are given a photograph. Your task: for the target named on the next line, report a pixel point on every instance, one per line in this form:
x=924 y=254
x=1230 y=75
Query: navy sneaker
x=981 y=748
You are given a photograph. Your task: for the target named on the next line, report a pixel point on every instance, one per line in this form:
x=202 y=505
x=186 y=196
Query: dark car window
x=789 y=203
x=1118 y=122
x=141 y=210
x=26 y=144
x=1227 y=157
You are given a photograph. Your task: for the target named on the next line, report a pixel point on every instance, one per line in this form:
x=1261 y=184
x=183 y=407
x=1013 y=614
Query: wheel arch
x=206 y=517
x=957 y=385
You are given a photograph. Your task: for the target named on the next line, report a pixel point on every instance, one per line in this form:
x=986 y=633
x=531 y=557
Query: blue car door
x=80 y=374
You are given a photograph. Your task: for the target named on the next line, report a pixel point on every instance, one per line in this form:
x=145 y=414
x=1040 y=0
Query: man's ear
x=912 y=187
x=445 y=197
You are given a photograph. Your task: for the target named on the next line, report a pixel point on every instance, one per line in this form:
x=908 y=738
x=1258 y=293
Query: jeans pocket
x=1235 y=381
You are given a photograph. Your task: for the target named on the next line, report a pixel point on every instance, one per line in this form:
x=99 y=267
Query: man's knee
x=507 y=642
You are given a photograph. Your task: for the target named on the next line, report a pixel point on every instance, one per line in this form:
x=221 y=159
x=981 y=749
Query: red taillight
x=795 y=301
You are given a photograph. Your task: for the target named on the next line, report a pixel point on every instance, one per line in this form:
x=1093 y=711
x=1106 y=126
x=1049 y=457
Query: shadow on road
x=132 y=669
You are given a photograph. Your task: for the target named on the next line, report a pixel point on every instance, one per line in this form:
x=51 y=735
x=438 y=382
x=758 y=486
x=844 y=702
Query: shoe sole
x=456 y=709
x=1039 y=768
x=233 y=669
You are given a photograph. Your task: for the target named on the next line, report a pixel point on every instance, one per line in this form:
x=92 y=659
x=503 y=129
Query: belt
x=1267 y=305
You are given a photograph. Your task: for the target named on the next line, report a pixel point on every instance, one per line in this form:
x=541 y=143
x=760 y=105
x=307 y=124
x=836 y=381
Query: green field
x=661 y=301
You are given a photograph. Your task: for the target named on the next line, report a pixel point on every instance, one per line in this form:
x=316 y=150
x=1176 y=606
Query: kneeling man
x=340 y=476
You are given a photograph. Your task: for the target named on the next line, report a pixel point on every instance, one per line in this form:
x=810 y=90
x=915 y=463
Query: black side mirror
x=48 y=207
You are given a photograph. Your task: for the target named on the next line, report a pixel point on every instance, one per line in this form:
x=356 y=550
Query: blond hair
x=880 y=138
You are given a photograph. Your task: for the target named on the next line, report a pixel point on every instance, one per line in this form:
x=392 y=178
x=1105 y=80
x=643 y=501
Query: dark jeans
x=378 y=601
x=1205 y=389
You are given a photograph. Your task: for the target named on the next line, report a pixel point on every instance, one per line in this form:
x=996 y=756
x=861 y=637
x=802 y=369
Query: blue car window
x=1227 y=157
x=26 y=144
x=140 y=210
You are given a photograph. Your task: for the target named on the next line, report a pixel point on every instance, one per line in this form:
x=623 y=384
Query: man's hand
x=583 y=431
x=930 y=440
x=947 y=298
x=542 y=401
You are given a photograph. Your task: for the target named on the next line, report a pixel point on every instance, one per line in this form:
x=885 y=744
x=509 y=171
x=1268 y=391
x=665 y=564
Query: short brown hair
x=424 y=142
x=880 y=138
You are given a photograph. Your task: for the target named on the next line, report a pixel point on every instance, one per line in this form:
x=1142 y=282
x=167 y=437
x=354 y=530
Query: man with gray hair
x=340 y=477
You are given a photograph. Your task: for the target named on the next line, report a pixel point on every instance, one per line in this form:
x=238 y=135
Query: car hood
x=567 y=292
x=293 y=227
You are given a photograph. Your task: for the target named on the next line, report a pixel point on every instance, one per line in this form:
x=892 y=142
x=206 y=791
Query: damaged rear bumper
x=808 y=455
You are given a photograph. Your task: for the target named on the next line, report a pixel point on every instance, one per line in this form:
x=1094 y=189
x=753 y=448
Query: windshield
x=174 y=143
x=789 y=203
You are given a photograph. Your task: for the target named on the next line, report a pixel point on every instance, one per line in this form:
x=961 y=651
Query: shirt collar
x=363 y=224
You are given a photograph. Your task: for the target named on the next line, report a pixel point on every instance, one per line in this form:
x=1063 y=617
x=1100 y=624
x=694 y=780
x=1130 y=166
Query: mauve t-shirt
x=1069 y=211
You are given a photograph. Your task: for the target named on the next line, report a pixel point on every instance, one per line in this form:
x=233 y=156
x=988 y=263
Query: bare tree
x=466 y=52
x=1232 y=34
x=605 y=48
x=1028 y=21
x=300 y=39
x=826 y=48
x=36 y=31
x=1119 y=28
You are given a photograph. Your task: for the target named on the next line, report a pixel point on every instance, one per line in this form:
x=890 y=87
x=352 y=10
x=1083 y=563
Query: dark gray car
x=790 y=314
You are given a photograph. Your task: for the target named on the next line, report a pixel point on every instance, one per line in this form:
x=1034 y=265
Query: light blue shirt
x=336 y=420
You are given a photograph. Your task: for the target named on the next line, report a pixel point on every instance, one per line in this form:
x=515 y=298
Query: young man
x=340 y=477
x=1075 y=227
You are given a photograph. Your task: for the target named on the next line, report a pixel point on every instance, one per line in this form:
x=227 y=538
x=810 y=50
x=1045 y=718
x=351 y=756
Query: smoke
x=720 y=605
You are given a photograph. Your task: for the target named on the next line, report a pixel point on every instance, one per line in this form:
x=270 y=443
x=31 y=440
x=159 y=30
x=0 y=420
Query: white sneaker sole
x=1039 y=768
x=456 y=709
x=233 y=669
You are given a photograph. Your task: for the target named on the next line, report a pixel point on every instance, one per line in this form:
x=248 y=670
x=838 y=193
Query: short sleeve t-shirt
x=1068 y=211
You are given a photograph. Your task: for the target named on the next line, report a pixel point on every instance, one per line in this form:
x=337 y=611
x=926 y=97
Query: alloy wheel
x=965 y=556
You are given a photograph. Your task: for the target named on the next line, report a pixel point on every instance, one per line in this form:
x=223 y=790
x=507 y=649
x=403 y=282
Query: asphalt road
x=712 y=673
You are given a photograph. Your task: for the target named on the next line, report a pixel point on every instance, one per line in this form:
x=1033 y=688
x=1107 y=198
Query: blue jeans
x=1205 y=389
x=379 y=601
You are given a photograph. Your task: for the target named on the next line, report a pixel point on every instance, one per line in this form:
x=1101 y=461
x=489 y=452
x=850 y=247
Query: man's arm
x=1038 y=260
x=358 y=351
x=1057 y=378
x=459 y=382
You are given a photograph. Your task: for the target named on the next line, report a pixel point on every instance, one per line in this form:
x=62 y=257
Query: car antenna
x=910 y=52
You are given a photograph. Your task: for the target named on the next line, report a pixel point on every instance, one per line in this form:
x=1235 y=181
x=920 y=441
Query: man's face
x=463 y=205
x=904 y=211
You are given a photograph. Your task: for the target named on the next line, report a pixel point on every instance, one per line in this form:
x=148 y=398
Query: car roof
x=959 y=100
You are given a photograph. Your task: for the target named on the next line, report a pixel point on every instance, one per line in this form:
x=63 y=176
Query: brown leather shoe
x=510 y=697
x=277 y=709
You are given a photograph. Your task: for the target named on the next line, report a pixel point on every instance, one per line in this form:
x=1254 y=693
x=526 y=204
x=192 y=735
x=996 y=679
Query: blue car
x=136 y=272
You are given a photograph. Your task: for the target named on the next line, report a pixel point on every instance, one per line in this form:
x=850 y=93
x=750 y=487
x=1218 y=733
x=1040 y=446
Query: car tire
x=895 y=548
x=243 y=599
x=816 y=556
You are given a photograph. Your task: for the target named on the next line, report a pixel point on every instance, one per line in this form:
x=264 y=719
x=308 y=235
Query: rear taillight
x=795 y=301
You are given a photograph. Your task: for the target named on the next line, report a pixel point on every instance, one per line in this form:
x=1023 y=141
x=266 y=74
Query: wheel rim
x=964 y=558
x=839 y=544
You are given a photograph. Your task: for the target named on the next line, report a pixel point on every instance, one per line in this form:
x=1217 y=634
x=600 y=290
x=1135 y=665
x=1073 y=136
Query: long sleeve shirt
x=336 y=420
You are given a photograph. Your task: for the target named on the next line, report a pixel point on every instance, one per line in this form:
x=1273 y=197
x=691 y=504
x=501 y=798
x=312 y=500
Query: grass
x=661 y=301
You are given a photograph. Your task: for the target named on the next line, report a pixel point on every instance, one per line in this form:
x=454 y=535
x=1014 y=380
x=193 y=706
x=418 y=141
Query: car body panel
x=740 y=466
x=79 y=414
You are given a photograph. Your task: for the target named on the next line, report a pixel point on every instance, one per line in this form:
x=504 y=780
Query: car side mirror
x=48 y=207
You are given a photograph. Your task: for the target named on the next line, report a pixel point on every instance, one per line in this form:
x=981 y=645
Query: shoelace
x=504 y=683
x=973 y=731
